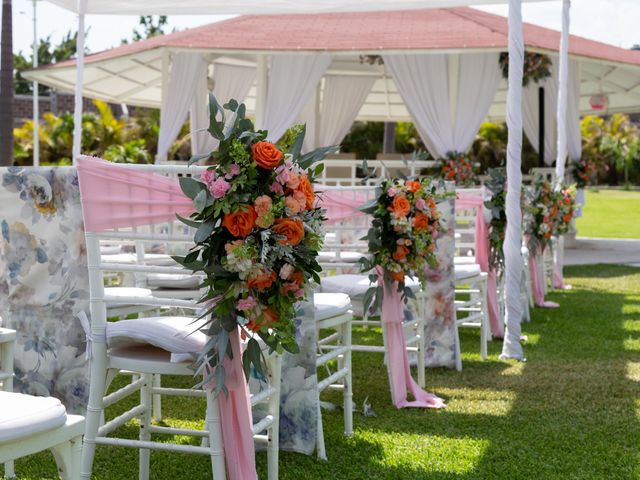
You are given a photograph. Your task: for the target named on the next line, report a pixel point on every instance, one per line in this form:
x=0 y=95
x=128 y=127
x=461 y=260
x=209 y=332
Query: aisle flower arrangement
x=565 y=208
x=456 y=167
x=403 y=234
x=537 y=67
x=584 y=172
x=496 y=205
x=257 y=237
x=539 y=214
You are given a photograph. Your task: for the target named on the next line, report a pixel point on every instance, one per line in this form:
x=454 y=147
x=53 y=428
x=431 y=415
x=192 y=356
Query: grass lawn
x=610 y=214
x=570 y=412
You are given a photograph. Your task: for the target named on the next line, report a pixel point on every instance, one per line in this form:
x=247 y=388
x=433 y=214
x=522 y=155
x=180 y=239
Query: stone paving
x=584 y=251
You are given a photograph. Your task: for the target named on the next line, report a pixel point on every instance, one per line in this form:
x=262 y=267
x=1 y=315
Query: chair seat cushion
x=127 y=292
x=155 y=259
x=327 y=305
x=24 y=415
x=167 y=280
x=345 y=257
x=466 y=260
x=466 y=271
x=173 y=334
x=356 y=285
x=110 y=249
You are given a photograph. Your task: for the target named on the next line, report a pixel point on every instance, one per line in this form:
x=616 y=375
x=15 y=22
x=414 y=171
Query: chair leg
x=458 y=353
x=273 y=446
x=320 y=447
x=421 y=342
x=215 y=436
x=6 y=364
x=67 y=456
x=347 y=381
x=144 y=454
x=484 y=322
x=157 y=399
x=9 y=470
x=94 y=407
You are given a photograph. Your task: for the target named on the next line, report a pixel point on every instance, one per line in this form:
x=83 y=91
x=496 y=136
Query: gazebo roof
x=132 y=73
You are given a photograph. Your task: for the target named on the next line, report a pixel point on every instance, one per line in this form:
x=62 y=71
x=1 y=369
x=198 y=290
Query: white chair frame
x=149 y=362
x=65 y=442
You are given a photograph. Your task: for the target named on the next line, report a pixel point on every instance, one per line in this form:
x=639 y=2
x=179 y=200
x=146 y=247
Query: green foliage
x=496 y=184
x=364 y=139
x=151 y=26
x=131 y=152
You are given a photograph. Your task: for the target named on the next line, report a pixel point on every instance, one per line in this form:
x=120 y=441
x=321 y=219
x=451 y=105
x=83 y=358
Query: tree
x=150 y=28
x=6 y=86
x=47 y=54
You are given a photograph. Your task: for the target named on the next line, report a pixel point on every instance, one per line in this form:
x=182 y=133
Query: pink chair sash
x=465 y=201
x=537 y=285
x=397 y=358
x=340 y=205
x=114 y=197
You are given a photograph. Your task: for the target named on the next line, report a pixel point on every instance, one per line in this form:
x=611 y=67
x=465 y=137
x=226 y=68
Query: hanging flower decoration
x=496 y=205
x=565 y=202
x=537 y=67
x=584 y=172
x=403 y=233
x=456 y=167
x=257 y=237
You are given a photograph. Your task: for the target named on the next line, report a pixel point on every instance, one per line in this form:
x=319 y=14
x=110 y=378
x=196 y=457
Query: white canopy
x=255 y=7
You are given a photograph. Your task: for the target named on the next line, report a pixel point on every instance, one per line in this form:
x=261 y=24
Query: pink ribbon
x=397 y=358
x=114 y=197
x=537 y=285
x=340 y=205
x=482 y=250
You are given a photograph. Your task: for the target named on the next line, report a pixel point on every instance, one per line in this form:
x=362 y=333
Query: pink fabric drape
x=340 y=205
x=115 y=197
x=537 y=285
x=465 y=201
x=558 y=278
x=397 y=359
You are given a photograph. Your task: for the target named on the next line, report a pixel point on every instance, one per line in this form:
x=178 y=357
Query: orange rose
x=420 y=221
x=297 y=277
x=261 y=282
x=266 y=155
x=566 y=218
x=266 y=319
x=400 y=253
x=307 y=189
x=413 y=186
x=400 y=206
x=240 y=223
x=293 y=230
x=397 y=276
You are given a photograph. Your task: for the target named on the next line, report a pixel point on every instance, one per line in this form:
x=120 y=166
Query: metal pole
x=541 y=127
x=36 y=96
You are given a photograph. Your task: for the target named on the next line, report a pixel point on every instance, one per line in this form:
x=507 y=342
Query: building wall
x=57 y=103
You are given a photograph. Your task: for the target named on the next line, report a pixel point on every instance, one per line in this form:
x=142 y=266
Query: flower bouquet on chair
x=402 y=241
x=257 y=237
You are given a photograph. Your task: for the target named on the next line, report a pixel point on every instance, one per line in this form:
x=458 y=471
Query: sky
x=610 y=21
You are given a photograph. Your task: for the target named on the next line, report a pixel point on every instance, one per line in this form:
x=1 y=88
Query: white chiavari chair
x=145 y=346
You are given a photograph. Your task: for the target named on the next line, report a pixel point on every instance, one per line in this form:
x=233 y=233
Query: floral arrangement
x=496 y=205
x=457 y=168
x=537 y=67
x=257 y=237
x=548 y=212
x=564 y=208
x=584 y=172
x=403 y=233
x=539 y=214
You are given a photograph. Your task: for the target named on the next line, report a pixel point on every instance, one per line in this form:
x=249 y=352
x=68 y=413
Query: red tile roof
x=452 y=28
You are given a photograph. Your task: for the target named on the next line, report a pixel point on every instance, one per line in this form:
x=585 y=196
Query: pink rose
x=219 y=188
x=392 y=192
x=421 y=204
x=286 y=271
x=245 y=304
x=234 y=169
x=262 y=205
x=208 y=177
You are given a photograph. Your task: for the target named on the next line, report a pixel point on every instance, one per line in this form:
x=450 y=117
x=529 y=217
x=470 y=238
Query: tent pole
x=36 y=95
x=261 y=90
x=563 y=87
x=164 y=86
x=77 y=108
x=541 y=132
x=317 y=116
x=511 y=347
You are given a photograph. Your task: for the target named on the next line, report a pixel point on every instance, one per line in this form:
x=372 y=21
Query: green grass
x=570 y=412
x=610 y=214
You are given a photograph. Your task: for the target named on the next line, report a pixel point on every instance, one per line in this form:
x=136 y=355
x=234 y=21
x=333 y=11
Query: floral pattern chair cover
x=44 y=281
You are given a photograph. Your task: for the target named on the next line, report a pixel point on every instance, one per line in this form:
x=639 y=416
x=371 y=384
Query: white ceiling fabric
x=257 y=7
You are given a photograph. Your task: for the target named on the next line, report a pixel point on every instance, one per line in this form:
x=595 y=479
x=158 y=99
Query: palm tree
x=6 y=86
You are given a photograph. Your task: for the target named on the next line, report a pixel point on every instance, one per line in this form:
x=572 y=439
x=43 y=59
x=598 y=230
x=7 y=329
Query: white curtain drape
x=292 y=80
x=342 y=100
x=186 y=70
x=229 y=81
x=424 y=82
x=530 y=111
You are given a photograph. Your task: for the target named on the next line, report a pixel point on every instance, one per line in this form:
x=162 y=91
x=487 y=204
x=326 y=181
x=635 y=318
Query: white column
x=511 y=347
x=261 y=90
x=164 y=90
x=563 y=92
x=77 y=111
x=36 y=96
